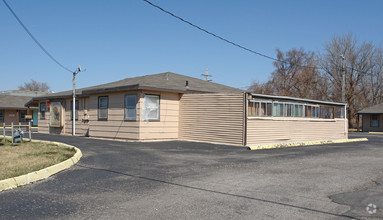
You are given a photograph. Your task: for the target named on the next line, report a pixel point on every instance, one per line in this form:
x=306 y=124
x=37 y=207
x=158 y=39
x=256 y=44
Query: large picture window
x=151 y=109
x=130 y=107
x=103 y=108
x=374 y=121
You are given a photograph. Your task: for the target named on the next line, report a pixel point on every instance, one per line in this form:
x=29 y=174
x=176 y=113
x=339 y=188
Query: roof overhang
x=372 y=113
x=16 y=108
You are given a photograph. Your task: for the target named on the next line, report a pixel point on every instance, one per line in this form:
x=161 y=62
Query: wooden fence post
x=12 y=131
x=30 y=132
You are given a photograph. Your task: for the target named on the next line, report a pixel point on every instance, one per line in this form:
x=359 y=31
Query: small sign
x=11 y=114
x=28 y=116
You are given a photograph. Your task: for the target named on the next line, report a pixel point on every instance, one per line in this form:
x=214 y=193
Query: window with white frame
x=151 y=108
x=259 y=108
x=103 y=108
x=327 y=112
x=130 y=107
x=284 y=109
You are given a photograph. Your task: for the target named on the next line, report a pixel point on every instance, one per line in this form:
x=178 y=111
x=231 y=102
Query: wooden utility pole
x=74 y=101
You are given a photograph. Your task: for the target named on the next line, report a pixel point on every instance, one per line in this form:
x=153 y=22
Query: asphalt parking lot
x=185 y=180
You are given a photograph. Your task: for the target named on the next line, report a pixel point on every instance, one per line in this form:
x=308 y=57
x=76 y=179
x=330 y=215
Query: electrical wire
x=211 y=33
x=35 y=40
x=235 y=44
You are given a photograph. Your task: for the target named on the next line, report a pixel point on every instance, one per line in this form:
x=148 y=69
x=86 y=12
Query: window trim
x=159 y=107
x=125 y=107
x=260 y=102
x=377 y=120
x=285 y=108
x=107 y=108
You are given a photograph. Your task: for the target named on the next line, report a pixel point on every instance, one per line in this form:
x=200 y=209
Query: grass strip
x=22 y=158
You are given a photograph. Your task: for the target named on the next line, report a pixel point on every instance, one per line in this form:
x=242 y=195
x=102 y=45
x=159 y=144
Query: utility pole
x=206 y=75
x=343 y=77
x=74 y=101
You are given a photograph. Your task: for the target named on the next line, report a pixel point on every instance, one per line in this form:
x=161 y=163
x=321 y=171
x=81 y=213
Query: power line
x=34 y=39
x=235 y=44
x=211 y=33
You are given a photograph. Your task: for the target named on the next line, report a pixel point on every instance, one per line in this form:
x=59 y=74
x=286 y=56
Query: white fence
x=19 y=126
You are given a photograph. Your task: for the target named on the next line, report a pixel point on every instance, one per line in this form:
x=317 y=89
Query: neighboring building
x=170 y=106
x=372 y=118
x=12 y=109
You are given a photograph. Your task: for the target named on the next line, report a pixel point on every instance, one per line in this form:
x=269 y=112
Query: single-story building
x=169 y=106
x=13 y=109
x=372 y=118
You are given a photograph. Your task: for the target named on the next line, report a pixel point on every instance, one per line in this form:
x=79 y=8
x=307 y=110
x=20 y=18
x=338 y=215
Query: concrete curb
x=43 y=173
x=375 y=132
x=296 y=144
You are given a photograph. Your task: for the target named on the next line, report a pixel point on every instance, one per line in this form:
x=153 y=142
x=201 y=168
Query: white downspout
x=345 y=120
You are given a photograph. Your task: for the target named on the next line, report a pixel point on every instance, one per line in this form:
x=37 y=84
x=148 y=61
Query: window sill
x=152 y=120
x=130 y=120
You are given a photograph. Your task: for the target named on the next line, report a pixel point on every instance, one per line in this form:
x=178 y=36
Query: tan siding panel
x=115 y=126
x=261 y=131
x=167 y=127
x=212 y=118
x=114 y=135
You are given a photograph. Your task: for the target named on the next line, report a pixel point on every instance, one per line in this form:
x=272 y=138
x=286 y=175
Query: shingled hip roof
x=376 y=109
x=168 y=81
x=13 y=101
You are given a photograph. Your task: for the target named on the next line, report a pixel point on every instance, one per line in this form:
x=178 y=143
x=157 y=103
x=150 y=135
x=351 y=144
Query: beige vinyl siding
x=167 y=127
x=215 y=118
x=270 y=130
x=81 y=124
x=43 y=123
x=115 y=127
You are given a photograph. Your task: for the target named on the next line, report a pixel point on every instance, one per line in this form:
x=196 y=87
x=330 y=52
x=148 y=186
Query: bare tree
x=261 y=88
x=33 y=85
x=305 y=75
x=363 y=72
x=295 y=76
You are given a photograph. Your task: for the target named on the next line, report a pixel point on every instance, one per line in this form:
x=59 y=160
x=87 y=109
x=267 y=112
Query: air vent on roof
x=187 y=84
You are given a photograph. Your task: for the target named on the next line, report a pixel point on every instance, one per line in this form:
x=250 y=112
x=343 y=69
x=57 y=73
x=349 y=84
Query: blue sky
x=119 y=39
